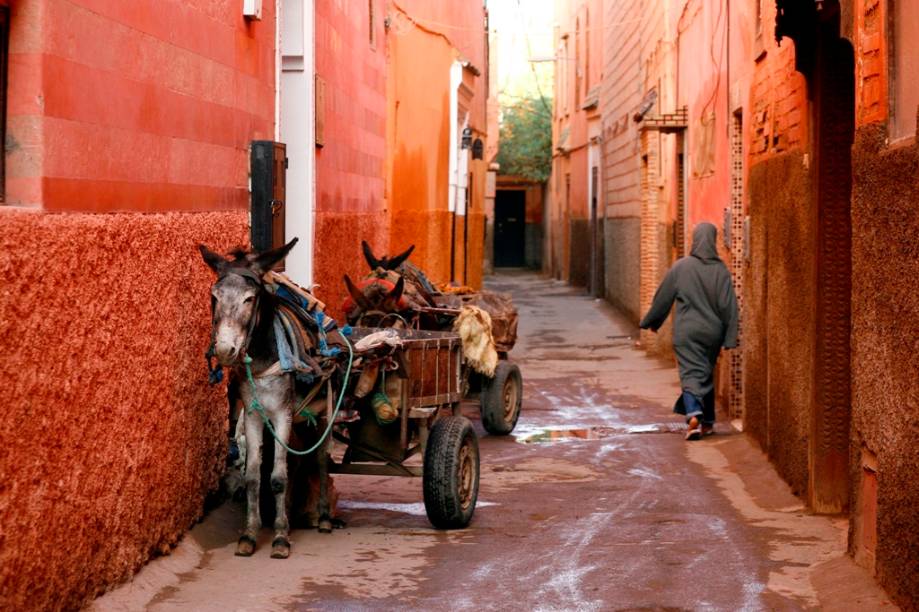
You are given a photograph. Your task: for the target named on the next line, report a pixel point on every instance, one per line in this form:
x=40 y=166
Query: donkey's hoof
x=325 y=525
x=245 y=547
x=280 y=548
x=337 y=523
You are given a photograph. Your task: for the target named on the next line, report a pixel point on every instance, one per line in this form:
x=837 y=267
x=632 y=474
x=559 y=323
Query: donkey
x=243 y=314
x=393 y=288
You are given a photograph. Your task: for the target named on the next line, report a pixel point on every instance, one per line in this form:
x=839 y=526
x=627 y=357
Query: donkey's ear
x=263 y=262
x=215 y=261
x=393 y=297
x=372 y=261
x=356 y=294
x=398 y=260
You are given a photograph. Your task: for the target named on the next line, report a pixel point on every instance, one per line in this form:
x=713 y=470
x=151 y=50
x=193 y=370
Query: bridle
x=382 y=318
x=215 y=372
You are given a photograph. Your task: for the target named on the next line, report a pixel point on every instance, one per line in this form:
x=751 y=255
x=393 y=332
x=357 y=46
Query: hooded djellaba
x=705 y=321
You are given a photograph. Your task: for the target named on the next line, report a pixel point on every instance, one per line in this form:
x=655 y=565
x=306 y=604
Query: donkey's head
x=236 y=297
x=385 y=262
x=373 y=299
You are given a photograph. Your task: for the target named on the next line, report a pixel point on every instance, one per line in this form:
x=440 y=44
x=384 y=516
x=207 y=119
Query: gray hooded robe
x=706 y=310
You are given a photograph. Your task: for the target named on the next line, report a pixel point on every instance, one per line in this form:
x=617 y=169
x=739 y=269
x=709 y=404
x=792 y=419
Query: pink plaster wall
x=140 y=105
x=110 y=436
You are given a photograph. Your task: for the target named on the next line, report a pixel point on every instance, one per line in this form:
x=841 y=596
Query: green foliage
x=525 y=142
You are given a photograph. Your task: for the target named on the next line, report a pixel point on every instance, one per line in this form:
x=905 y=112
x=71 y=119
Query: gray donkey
x=243 y=326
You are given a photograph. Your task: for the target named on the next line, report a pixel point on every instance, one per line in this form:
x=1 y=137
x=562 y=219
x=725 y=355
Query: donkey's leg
x=246 y=544
x=280 y=546
x=325 y=513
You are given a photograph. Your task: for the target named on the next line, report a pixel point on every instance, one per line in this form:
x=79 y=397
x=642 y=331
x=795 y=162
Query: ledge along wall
x=128 y=126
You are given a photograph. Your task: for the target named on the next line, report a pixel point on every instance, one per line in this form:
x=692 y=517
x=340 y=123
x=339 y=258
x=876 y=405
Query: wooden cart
x=428 y=367
x=500 y=396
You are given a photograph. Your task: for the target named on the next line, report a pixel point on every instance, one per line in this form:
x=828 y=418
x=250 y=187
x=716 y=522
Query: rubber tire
x=492 y=399
x=441 y=478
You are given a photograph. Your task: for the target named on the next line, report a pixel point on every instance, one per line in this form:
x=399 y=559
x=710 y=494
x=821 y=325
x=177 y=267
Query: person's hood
x=704 y=245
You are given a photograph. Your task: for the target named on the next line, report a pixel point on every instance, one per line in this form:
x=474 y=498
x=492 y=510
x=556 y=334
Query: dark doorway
x=833 y=83
x=510 y=229
x=596 y=236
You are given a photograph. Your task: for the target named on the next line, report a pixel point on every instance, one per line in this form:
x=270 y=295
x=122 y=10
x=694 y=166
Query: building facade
x=575 y=221
x=128 y=130
x=792 y=127
x=438 y=96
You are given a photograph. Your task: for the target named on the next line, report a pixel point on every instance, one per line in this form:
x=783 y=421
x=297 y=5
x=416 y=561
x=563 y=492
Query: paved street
x=595 y=503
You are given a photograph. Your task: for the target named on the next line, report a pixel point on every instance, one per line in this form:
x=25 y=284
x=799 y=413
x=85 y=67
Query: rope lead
x=256 y=405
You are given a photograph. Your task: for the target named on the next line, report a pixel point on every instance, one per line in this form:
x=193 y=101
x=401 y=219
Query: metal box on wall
x=268 y=170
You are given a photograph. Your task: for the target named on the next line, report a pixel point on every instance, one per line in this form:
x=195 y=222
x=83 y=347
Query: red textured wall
x=146 y=105
x=350 y=204
x=110 y=434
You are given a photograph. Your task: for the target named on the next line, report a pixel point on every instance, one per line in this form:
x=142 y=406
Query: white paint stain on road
x=415 y=509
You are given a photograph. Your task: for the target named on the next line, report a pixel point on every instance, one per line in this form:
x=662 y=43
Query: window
x=577 y=64
x=564 y=63
x=371 y=22
x=587 y=49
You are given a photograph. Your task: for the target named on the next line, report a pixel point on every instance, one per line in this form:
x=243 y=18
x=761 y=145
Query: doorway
x=833 y=83
x=510 y=228
x=596 y=236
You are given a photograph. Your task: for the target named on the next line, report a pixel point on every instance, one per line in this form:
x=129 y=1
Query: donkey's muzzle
x=226 y=353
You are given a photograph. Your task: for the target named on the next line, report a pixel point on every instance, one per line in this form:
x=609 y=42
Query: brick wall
x=620 y=94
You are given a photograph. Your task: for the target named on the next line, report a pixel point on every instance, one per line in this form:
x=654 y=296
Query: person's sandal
x=694 y=429
x=708 y=430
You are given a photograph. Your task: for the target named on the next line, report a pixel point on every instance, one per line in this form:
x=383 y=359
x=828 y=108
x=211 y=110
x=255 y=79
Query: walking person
x=705 y=321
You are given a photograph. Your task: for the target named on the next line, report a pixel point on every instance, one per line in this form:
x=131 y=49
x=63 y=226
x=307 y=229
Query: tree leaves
x=525 y=141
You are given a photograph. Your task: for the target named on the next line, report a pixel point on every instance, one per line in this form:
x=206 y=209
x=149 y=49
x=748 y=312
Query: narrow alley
x=594 y=503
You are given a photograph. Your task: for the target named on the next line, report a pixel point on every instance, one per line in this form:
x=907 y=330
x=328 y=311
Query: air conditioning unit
x=252 y=9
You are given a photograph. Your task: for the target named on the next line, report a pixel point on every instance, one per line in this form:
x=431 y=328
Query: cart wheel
x=451 y=473
x=501 y=398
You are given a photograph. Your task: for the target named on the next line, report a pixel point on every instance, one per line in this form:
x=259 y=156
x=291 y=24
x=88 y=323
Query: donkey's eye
x=249 y=299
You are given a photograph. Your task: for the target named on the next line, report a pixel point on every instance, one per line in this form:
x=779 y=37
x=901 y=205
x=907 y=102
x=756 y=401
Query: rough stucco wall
x=622 y=237
x=110 y=434
x=338 y=252
x=885 y=348
x=780 y=195
x=754 y=332
x=429 y=231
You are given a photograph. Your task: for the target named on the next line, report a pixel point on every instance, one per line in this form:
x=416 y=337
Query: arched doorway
x=827 y=62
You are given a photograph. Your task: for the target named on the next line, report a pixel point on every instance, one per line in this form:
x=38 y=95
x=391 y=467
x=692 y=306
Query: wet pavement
x=595 y=502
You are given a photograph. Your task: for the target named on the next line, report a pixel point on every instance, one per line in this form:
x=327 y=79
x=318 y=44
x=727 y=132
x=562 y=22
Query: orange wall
x=150 y=108
x=462 y=22
x=418 y=134
x=350 y=201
